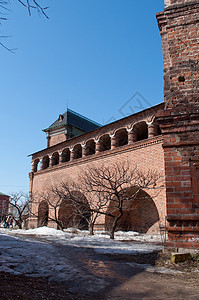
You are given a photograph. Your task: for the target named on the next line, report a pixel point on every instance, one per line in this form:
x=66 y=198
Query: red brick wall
x=179 y=30
x=4 y=204
x=56 y=139
x=173 y=2
x=146 y=154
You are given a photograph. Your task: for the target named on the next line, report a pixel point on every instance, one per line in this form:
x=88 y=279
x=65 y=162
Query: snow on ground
x=56 y=254
x=125 y=242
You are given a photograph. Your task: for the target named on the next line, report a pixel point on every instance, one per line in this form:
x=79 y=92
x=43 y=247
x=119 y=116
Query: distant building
x=4 y=204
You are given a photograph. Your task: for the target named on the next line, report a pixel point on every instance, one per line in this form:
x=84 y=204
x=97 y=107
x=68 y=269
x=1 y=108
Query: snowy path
x=69 y=257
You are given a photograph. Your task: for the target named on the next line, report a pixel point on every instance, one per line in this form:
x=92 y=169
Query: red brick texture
x=145 y=154
x=179 y=28
x=4 y=204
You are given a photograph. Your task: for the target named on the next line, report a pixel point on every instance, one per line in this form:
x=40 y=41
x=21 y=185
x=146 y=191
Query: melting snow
x=40 y=254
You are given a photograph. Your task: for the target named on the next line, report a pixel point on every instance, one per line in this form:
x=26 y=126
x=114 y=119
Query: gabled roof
x=74 y=119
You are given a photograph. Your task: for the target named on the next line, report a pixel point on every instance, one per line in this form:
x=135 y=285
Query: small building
x=4 y=205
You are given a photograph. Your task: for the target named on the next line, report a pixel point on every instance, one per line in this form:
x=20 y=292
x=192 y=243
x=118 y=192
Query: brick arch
x=66 y=155
x=140 y=213
x=43 y=211
x=74 y=210
x=141 y=130
x=36 y=165
x=45 y=162
x=105 y=142
x=77 y=151
x=90 y=147
x=55 y=158
x=121 y=136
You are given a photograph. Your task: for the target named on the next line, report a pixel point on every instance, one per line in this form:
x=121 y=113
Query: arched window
x=35 y=165
x=105 y=143
x=158 y=130
x=90 y=147
x=45 y=162
x=66 y=155
x=55 y=159
x=77 y=151
x=122 y=137
x=141 y=130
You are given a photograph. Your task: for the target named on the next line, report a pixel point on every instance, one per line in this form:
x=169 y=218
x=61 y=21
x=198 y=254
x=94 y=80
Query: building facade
x=164 y=137
x=4 y=206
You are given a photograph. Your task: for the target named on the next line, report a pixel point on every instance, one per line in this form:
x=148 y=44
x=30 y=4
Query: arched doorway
x=43 y=214
x=74 y=211
x=139 y=213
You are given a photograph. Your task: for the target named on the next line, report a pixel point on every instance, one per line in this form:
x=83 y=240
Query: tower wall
x=179 y=28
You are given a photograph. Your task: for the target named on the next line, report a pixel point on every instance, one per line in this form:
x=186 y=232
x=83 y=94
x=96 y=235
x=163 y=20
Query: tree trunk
x=116 y=219
x=91 y=228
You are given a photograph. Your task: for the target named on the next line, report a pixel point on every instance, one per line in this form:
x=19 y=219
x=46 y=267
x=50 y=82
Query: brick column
x=72 y=154
x=61 y=157
x=41 y=164
x=84 y=150
x=50 y=160
x=97 y=146
x=151 y=130
x=131 y=136
x=34 y=166
x=113 y=141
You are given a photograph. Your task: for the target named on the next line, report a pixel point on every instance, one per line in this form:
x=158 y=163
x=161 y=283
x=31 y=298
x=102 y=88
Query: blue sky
x=93 y=55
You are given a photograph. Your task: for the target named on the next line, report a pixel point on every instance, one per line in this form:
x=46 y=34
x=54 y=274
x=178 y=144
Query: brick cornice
x=178 y=10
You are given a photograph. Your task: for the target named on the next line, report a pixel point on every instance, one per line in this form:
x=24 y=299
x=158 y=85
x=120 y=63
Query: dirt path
x=81 y=273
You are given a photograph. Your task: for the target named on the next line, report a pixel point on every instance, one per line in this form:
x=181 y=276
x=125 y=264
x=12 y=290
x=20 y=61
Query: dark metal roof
x=74 y=119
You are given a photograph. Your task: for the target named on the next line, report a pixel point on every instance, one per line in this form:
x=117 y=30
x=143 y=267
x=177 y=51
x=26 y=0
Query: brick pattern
x=175 y=2
x=56 y=139
x=4 y=204
x=179 y=28
x=145 y=154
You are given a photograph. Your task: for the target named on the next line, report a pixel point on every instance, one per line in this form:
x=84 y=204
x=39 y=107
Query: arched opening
x=139 y=212
x=122 y=137
x=66 y=155
x=45 y=162
x=90 y=147
x=43 y=214
x=39 y=165
x=141 y=130
x=74 y=211
x=158 y=130
x=105 y=143
x=55 y=159
x=35 y=167
x=77 y=151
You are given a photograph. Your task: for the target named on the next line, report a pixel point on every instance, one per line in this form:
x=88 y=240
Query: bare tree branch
x=19 y=207
x=30 y=5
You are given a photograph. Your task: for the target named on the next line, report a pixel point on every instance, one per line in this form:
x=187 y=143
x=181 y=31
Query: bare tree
x=109 y=187
x=74 y=208
x=30 y=5
x=85 y=210
x=19 y=207
x=101 y=190
x=46 y=202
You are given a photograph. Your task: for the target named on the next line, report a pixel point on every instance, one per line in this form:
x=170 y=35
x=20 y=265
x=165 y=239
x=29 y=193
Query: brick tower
x=179 y=29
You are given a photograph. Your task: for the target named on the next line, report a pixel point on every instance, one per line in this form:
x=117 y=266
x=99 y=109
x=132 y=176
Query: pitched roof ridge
x=83 y=117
